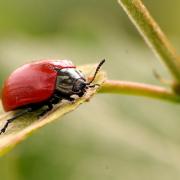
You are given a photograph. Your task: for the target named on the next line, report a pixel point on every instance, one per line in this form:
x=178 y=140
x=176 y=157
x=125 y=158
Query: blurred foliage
x=38 y=17
x=112 y=137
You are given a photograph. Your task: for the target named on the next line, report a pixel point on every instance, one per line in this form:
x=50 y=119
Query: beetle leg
x=50 y=106
x=68 y=98
x=58 y=97
x=71 y=99
x=55 y=99
x=17 y=115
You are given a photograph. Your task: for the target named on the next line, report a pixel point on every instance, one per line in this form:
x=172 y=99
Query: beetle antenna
x=97 y=69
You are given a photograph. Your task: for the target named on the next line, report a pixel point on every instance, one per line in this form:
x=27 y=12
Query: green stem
x=153 y=35
x=139 y=89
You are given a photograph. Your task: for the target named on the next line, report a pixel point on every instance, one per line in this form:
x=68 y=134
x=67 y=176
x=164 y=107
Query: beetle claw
x=2 y=131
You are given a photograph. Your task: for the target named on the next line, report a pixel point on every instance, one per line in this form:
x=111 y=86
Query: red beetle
x=40 y=83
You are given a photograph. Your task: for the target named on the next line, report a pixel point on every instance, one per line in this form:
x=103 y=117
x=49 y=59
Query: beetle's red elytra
x=32 y=83
x=43 y=83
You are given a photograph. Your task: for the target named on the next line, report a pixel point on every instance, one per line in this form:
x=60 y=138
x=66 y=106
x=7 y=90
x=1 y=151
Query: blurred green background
x=114 y=136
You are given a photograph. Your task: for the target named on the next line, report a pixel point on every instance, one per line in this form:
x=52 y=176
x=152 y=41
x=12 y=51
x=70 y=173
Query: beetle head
x=80 y=85
x=71 y=81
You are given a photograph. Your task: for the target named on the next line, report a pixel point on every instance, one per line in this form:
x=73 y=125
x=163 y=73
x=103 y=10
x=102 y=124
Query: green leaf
x=22 y=127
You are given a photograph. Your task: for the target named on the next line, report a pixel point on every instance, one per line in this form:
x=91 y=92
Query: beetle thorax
x=70 y=81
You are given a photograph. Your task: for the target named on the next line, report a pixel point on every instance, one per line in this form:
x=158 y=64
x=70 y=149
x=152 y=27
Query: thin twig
x=153 y=35
x=138 y=89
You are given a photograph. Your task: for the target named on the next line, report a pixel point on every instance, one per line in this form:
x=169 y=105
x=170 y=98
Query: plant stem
x=153 y=35
x=140 y=89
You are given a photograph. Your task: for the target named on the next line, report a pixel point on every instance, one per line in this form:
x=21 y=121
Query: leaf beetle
x=43 y=83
